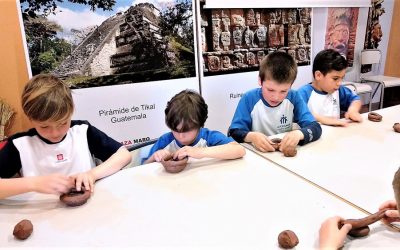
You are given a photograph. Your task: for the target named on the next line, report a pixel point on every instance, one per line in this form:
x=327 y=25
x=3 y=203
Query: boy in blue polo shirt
x=185 y=115
x=273 y=108
x=325 y=96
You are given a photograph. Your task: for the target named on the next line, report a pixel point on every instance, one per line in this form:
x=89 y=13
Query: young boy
x=273 y=108
x=185 y=115
x=325 y=96
x=57 y=147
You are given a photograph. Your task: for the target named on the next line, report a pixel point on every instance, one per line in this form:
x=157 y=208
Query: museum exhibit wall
x=222 y=92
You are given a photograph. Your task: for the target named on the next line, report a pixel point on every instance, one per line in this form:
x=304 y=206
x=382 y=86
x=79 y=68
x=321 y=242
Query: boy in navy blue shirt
x=273 y=108
x=185 y=115
x=325 y=96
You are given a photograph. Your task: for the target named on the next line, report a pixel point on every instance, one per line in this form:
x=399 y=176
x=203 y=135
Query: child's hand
x=85 y=179
x=353 y=115
x=330 y=236
x=51 y=184
x=260 y=141
x=188 y=151
x=391 y=215
x=291 y=139
x=161 y=154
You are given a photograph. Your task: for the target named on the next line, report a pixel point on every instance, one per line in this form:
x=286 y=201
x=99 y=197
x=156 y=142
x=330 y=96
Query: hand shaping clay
x=174 y=166
x=396 y=187
x=288 y=239
x=375 y=117
x=23 y=229
x=359 y=225
x=75 y=198
x=276 y=143
x=396 y=127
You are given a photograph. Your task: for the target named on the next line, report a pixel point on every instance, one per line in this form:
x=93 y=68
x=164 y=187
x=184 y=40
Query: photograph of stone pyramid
x=128 y=43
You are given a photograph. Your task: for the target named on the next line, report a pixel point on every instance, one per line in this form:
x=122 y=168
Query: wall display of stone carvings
x=138 y=44
x=341 y=31
x=236 y=40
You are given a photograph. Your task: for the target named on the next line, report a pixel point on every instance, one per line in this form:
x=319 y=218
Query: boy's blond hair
x=278 y=66
x=47 y=98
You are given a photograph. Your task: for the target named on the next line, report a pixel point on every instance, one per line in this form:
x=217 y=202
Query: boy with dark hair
x=185 y=115
x=57 y=153
x=325 y=96
x=273 y=108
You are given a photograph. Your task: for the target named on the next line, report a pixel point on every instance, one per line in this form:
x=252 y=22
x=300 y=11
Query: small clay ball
x=396 y=127
x=288 y=239
x=290 y=151
x=276 y=143
x=23 y=229
x=374 y=117
x=359 y=232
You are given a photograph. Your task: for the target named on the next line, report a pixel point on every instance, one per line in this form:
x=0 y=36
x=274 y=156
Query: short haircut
x=188 y=108
x=47 y=98
x=278 y=66
x=327 y=60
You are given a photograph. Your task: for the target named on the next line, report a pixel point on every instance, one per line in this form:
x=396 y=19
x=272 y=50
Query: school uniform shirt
x=32 y=155
x=205 y=138
x=253 y=113
x=325 y=104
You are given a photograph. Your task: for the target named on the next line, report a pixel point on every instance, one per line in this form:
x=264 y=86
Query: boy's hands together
x=291 y=139
x=188 y=151
x=260 y=141
x=161 y=154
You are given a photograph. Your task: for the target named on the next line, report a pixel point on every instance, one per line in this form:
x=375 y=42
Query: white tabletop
x=357 y=162
x=240 y=204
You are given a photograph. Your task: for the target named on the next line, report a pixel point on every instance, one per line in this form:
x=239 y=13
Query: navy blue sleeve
x=346 y=97
x=10 y=161
x=310 y=128
x=101 y=145
x=241 y=121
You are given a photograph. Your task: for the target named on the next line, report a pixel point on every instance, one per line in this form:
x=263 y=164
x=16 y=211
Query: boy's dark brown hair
x=328 y=60
x=47 y=98
x=188 y=108
x=278 y=66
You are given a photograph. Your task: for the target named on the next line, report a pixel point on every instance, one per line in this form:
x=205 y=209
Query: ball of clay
x=290 y=151
x=396 y=127
x=23 y=229
x=288 y=239
x=174 y=166
x=375 y=117
x=75 y=198
x=359 y=232
x=276 y=143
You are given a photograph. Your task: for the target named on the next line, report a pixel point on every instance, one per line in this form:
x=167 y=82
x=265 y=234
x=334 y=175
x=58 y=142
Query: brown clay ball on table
x=396 y=127
x=290 y=152
x=23 y=229
x=374 y=117
x=288 y=239
x=174 y=166
x=75 y=198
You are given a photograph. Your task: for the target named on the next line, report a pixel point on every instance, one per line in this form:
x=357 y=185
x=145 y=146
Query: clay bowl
x=174 y=166
x=75 y=198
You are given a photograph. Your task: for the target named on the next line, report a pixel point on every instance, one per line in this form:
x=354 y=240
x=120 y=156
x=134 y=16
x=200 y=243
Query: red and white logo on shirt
x=60 y=157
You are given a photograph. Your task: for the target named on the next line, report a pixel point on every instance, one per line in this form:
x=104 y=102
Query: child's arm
x=392 y=215
x=330 y=236
x=50 y=184
x=232 y=150
x=158 y=156
x=331 y=121
x=113 y=164
x=353 y=112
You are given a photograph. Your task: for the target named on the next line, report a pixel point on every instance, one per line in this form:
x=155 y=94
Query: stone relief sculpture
x=241 y=38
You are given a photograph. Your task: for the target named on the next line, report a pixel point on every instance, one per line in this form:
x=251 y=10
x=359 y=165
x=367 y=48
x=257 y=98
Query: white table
x=355 y=162
x=240 y=204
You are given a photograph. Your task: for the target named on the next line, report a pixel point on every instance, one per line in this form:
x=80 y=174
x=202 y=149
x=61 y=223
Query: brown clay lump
x=288 y=152
x=288 y=239
x=360 y=226
x=75 y=198
x=276 y=143
x=173 y=165
x=375 y=117
x=396 y=127
x=23 y=229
